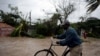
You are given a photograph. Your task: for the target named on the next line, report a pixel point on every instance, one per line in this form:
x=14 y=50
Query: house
x=5 y=29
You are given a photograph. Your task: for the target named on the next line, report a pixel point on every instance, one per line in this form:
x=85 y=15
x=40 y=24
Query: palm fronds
x=93 y=4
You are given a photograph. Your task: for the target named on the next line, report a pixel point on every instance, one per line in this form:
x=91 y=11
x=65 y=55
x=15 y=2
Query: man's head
x=66 y=24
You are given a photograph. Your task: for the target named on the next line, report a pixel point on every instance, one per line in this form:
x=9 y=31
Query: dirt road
x=23 y=46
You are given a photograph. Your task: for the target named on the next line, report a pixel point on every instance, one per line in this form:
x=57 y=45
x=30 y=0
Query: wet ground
x=23 y=46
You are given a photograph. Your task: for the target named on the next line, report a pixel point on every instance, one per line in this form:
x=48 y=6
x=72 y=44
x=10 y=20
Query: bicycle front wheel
x=44 y=52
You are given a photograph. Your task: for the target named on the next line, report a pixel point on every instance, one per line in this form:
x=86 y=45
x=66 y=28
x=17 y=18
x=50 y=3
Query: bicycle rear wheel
x=44 y=52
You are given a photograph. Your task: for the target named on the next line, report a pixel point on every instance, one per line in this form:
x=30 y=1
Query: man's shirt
x=69 y=38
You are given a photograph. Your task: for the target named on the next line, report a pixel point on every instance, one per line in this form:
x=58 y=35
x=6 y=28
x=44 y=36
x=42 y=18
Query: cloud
x=37 y=6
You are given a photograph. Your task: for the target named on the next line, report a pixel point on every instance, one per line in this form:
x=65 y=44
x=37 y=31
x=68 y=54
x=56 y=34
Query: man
x=71 y=39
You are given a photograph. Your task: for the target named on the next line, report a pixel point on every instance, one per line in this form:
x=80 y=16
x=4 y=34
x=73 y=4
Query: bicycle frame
x=65 y=51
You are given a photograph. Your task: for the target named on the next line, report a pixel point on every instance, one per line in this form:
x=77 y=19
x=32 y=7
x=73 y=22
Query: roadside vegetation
x=49 y=26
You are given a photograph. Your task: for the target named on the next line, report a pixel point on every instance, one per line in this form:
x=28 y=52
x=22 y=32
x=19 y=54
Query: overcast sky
x=37 y=6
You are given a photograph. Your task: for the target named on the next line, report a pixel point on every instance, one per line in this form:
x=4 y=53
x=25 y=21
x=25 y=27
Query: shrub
x=93 y=35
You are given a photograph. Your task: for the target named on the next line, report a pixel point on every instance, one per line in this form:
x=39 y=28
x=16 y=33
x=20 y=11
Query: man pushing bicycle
x=71 y=39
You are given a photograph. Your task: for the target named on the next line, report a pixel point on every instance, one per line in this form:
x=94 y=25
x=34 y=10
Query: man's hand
x=57 y=42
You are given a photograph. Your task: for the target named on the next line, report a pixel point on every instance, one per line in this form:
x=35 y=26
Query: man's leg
x=76 y=51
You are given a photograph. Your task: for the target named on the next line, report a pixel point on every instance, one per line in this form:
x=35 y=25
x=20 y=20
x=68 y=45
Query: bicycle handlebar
x=53 y=43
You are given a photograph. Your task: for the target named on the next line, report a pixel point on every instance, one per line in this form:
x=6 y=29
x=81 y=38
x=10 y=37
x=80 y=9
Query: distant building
x=5 y=29
x=30 y=29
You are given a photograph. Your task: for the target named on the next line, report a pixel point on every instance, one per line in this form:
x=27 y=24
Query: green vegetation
x=15 y=19
x=49 y=27
x=91 y=26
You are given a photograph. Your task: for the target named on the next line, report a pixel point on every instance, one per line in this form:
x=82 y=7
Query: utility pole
x=30 y=17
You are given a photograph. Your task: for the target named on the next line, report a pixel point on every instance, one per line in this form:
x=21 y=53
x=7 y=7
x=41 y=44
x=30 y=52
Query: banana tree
x=22 y=28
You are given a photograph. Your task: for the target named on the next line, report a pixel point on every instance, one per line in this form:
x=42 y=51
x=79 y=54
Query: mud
x=23 y=46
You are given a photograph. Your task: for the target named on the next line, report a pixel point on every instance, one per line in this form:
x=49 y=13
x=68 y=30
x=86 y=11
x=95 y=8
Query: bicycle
x=51 y=52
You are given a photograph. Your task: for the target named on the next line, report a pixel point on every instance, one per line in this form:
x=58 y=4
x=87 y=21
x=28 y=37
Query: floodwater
x=23 y=46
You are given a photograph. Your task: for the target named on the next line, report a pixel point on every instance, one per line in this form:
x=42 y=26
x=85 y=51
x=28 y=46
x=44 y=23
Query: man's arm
x=62 y=36
x=67 y=39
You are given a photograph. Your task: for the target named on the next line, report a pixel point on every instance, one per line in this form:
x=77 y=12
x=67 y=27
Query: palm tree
x=93 y=4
